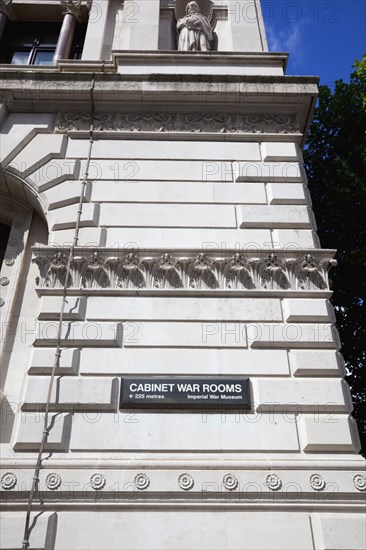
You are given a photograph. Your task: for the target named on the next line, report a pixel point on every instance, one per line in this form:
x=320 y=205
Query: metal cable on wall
x=46 y=424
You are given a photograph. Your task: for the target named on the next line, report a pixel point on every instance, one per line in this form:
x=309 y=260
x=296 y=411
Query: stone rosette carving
x=1 y=302
x=141 y=481
x=8 y=481
x=4 y=281
x=317 y=482
x=186 y=482
x=230 y=482
x=359 y=481
x=194 y=122
x=9 y=262
x=108 y=269
x=53 y=481
x=97 y=482
x=273 y=482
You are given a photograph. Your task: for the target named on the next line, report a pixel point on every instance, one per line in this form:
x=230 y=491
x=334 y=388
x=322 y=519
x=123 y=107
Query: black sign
x=184 y=393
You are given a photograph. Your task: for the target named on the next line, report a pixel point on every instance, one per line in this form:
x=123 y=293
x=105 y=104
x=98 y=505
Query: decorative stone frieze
x=53 y=481
x=230 y=482
x=186 y=482
x=253 y=270
x=317 y=482
x=141 y=481
x=8 y=481
x=194 y=122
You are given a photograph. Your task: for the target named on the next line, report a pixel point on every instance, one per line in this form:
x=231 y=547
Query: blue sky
x=323 y=37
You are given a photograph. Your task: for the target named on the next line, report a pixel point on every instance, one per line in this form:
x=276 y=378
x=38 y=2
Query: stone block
x=70 y=394
x=30 y=431
x=40 y=150
x=179 y=309
x=67 y=192
x=18 y=130
x=43 y=360
x=328 y=433
x=288 y=193
x=317 y=310
x=295 y=239
x=96 y=32
x=89 y=237
x=207 y=529
x=184 y=361
x=300 y=396
x=74 y=308
x=165 y=150
x=207 y=239
x=75 y=334
x=169 y=215
x=133 y=431
x=268 y=171
x=273 y=150
x=160 y=170
x=54 y=172
x=178 y=192
x=275 y=216
x=316 y=363
x=184 y=334
x=65 y=218
x=293 y=335
x=12 y=528
x=339 y=531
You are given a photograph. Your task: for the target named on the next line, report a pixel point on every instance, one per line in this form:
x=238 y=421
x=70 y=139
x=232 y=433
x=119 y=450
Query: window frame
x=32 y=44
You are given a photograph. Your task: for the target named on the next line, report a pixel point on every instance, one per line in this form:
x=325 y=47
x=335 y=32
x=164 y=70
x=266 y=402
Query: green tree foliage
x=335 y=159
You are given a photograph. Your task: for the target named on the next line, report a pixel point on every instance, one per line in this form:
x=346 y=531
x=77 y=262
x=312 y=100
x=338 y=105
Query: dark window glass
x=34 y=43
x=78 y=42
x=43 y=57
x=4 y=237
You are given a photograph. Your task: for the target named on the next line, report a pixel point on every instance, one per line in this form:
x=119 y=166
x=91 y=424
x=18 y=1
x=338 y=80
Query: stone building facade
x=156 y=221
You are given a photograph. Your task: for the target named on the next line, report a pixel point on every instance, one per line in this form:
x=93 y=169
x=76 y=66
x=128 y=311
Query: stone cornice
x=50 y=89
x=185 y=271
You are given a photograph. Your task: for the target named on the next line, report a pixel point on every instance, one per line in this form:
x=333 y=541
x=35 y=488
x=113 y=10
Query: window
x=34 y=42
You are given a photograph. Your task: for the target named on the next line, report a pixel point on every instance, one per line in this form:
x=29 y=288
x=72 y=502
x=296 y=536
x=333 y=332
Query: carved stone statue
x=195 y=31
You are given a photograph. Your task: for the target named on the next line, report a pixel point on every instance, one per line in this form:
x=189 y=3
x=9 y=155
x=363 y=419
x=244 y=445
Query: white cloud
x=287 y=41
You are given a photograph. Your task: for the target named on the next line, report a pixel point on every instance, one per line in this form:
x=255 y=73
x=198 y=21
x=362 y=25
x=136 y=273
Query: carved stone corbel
x=75 y=8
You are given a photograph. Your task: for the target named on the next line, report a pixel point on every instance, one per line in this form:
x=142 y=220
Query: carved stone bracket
x=231 y=271
x=194 y=122
x=75 y=7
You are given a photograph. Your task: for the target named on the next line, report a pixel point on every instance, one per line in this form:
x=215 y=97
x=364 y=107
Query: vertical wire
x=56 y=363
